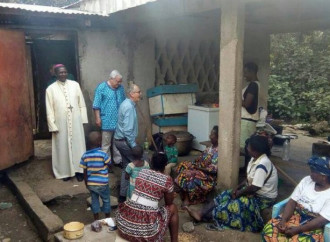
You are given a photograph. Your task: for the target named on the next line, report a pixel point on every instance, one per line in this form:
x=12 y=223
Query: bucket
x=73 y=230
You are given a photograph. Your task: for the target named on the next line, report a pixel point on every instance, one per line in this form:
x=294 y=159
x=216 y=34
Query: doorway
x=47 y=50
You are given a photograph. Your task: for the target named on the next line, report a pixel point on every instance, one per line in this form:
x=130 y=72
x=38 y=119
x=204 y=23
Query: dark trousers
x=127 y=157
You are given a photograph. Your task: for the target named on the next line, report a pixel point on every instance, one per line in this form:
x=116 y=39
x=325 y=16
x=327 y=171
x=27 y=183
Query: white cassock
x=66 y=113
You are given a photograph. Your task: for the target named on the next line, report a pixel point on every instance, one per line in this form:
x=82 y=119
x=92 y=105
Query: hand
x=291 y=231
x=98 y=122
x=281 y=226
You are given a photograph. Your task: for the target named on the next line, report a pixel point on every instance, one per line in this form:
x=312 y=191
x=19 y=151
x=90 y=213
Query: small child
x=133 y=168
x=95 y=163
x=171 y=152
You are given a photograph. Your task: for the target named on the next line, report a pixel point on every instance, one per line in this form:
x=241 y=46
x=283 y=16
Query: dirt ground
x=14 y=224
x=68 y=199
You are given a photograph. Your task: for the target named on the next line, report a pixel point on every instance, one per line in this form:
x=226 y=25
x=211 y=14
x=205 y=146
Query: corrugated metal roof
x=107 y=6
x=46 y=9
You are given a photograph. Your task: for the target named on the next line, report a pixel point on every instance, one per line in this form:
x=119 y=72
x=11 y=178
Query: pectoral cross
x=70 y=108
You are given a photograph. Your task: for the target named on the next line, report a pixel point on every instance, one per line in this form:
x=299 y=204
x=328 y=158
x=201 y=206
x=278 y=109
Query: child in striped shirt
x=95 y=163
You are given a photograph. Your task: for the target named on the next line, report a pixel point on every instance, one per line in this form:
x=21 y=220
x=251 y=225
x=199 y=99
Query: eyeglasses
x=138 y=92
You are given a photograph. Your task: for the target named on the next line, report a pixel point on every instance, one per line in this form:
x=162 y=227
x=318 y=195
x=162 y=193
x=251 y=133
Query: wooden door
x=16 y=135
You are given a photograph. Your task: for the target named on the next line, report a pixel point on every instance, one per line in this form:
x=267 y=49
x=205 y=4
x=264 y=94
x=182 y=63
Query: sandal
x=213 y=227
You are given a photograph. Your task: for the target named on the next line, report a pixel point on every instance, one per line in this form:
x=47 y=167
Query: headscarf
x=320 y=165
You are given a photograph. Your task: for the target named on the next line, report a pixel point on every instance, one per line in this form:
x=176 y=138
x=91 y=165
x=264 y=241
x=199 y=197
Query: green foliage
x=300 y=76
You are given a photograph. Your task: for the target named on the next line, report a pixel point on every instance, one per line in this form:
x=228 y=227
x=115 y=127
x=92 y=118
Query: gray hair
x=115 y=73
x=130 y=89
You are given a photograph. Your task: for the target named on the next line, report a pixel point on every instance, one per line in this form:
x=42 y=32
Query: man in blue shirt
x=126 y=133
x=107 y=99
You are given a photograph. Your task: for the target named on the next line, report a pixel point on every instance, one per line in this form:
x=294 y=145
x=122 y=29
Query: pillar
x=230 y=88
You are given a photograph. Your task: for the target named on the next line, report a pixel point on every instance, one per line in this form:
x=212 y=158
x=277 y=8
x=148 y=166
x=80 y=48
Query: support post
x=230 y=88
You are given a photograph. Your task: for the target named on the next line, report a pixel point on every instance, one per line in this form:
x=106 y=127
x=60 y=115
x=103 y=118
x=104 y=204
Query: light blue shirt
x=127 y=125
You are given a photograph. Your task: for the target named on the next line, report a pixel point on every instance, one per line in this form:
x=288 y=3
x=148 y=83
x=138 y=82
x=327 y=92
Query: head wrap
x=320 y=165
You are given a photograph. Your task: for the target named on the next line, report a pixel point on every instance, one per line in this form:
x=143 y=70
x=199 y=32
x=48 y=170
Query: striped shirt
x=95 y=161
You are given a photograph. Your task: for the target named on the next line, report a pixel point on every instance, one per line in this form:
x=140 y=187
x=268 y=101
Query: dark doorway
x=44 y=54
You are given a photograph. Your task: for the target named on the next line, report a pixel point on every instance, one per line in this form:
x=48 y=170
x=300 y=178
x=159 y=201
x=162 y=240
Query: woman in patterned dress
x=196 y=179
x=308 y=209
x=140 y=218
x=240 y=208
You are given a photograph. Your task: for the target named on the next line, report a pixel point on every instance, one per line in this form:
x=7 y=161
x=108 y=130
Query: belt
x=123 y=139
x=144 y=201
x=250 y=119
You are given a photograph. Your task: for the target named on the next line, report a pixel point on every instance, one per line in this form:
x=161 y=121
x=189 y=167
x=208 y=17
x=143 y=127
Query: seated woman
x=308 y=209
x=196 y=179
x=140 y=218
x=240 y=209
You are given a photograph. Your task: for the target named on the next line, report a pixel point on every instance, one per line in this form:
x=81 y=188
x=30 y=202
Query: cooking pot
x=73 y=230
x=183 y=141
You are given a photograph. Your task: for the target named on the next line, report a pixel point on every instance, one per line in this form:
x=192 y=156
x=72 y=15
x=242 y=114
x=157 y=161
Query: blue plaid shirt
x=108 y=100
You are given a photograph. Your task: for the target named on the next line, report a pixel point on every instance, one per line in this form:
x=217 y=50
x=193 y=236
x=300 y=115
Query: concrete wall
x=142 y=72
x=101 y=51
x=198 y=38
x=257 y=49
x=131 y=50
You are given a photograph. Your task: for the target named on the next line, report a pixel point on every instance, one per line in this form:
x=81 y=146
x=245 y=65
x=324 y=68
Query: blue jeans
x=104 y=193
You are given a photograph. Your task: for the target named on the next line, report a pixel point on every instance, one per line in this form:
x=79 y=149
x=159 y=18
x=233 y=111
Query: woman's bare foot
x=197 y=216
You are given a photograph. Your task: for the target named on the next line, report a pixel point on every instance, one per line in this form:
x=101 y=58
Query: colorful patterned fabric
x=270 y=232
x=96 y=161
x=171 y=153
x=242 y=213
x=138 y=222
x=320 y=164
x=108 y=100
x=133 y=172
x=195 y=182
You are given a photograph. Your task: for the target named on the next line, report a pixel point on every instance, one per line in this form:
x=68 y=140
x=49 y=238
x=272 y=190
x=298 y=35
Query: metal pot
x=73 y=230
x=183 y=141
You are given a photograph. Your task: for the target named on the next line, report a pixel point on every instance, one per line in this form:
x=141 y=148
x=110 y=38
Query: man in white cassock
x=66 y=114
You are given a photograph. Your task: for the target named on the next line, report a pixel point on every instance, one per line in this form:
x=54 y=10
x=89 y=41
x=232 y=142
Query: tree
x=300 y=76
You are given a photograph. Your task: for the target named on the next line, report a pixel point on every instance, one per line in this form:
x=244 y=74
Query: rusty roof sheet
x=46 y=9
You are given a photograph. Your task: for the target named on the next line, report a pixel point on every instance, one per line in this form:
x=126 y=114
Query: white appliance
x=200 y=123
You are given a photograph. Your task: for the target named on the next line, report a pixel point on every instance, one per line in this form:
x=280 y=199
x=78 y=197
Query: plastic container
x=73 y=230
x=286 y=150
